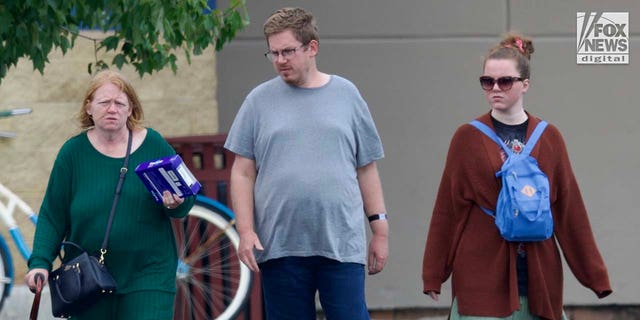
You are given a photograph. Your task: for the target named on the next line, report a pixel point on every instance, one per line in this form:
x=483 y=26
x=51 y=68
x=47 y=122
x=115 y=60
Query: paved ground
x=18 y=306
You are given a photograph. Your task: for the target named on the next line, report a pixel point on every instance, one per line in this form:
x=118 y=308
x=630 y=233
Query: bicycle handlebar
x=14 y=112
x=9 y=113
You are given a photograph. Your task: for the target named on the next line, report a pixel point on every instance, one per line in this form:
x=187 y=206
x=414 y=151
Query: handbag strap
x=123 y=172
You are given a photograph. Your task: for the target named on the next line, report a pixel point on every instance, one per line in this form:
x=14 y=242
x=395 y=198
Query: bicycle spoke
x=212 y=240
x=212 y=282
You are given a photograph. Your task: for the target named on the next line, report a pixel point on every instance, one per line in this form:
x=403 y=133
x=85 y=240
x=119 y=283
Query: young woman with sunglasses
x=491 y=277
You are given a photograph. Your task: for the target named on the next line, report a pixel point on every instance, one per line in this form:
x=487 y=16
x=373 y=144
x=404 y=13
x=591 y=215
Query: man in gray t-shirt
x=304 y=179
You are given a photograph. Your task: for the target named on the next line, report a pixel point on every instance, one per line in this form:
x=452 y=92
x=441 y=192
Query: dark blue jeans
x=289 y=286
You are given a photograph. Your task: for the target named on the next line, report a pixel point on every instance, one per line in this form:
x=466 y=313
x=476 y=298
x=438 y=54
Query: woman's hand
x=171 y=201
x=30 y=278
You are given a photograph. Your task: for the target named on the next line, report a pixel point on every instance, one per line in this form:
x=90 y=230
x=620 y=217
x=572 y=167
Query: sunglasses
x=504 y=83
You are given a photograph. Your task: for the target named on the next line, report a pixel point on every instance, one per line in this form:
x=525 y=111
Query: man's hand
x=378 y=253
x=249 y=241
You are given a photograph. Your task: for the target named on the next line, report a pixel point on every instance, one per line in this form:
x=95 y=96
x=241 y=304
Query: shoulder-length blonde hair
x=100 y=79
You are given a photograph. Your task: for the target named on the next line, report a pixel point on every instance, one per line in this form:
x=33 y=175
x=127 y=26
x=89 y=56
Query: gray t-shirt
x=307 y=144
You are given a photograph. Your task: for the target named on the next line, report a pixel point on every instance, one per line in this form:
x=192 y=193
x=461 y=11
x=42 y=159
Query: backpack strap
x=494 y=136
x=491 y=134
x=488 y=212
x=537 y=132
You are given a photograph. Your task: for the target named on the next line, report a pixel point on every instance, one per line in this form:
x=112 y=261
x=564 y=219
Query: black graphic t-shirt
x=513 y=136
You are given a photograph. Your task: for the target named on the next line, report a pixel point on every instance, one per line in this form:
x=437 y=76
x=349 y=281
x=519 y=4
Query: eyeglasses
x=285 y=53
x=504 y=83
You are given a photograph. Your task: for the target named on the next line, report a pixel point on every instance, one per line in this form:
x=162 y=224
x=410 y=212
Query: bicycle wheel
x=212 y=283
x=5 y=273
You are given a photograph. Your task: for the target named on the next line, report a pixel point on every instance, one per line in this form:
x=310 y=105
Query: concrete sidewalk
x=18 y=305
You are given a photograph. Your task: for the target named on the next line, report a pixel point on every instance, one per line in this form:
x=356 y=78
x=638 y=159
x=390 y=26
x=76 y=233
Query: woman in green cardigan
x=141 y=253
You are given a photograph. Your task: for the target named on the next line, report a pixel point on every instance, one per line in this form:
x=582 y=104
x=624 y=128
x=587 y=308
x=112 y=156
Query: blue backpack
x=523 y=210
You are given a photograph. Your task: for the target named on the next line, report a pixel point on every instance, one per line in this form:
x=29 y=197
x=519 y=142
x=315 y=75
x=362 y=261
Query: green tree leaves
x=142 y=33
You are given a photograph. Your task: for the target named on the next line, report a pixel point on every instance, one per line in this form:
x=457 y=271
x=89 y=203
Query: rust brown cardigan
x=464 y=242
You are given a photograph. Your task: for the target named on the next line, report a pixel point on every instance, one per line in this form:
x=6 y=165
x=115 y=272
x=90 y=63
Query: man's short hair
x=300 y=21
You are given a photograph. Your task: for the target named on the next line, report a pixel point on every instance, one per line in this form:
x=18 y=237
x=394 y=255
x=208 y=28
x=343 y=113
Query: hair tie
x=519 y=44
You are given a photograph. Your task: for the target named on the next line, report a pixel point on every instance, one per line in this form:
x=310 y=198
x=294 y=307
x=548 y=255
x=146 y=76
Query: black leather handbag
x=80 y=282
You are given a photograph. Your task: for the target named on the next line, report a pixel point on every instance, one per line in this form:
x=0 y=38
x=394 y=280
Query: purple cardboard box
x=168 y=173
